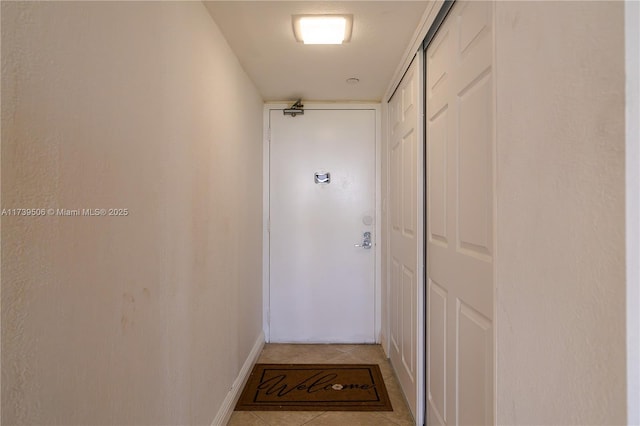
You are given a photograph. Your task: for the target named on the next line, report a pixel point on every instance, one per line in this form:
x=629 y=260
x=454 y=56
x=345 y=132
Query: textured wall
x=143 y=319
x=560 y=234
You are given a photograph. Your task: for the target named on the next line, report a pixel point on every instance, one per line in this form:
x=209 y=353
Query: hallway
x=329 y=354
x=155 y=115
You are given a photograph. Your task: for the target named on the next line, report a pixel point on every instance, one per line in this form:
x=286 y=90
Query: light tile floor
x=329 y=354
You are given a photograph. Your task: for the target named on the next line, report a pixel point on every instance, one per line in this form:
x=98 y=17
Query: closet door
x=406 y=241
x=460 y=108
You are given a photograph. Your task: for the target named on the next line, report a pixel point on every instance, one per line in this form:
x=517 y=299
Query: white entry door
x=322 y=202
x=460 y=219
x=405 y=283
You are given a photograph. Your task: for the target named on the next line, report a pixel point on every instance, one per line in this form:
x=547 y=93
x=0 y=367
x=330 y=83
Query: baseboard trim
x=225 y=411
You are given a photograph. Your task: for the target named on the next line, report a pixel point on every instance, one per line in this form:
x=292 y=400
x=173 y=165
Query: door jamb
x=632 y=188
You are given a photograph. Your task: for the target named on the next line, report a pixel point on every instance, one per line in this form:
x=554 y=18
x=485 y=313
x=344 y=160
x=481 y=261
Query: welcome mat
x=315 y=387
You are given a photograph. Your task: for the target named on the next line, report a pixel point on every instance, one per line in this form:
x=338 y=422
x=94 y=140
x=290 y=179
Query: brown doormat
x=315 y=387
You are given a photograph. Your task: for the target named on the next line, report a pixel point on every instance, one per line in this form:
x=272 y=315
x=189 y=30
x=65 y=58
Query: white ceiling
x=261 y=35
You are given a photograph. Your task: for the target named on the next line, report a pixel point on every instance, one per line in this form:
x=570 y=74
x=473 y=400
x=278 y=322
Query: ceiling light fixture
x=322 y=29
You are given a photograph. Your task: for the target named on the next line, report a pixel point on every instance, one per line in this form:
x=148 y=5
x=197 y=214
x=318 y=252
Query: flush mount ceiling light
x=322 y=29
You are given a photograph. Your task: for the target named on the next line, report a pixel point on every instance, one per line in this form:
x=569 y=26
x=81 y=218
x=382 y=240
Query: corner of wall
x=226 y=409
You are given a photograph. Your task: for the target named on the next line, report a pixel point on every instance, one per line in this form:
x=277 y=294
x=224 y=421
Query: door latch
x=366 y=241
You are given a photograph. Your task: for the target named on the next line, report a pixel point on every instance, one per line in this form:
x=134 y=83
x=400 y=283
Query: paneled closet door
x=460 y=139
x=405 y=174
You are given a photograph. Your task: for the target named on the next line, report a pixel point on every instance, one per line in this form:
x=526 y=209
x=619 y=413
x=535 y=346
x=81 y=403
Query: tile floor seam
x=310 y=420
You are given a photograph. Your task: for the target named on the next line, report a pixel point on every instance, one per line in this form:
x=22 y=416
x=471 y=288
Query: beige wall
x=560 y=233
x=148 y=318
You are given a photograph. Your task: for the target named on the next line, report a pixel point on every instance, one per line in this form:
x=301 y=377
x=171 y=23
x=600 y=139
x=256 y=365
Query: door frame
x=266 y=255
x=632 y=153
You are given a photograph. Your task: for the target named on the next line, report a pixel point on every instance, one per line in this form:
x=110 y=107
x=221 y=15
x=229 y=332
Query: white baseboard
x=225 y=411
x=384 y=342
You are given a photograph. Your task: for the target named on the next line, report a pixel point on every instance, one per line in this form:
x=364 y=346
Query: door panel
x=474 y=366
x=437 y=355
x=460 y=218
x=322 y=287
x=437 y=170
x=475 y=174
x=405 y=234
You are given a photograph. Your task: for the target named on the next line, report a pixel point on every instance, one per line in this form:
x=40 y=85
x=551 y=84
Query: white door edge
x=632 y=58
x=420 y=187
x=268 y=107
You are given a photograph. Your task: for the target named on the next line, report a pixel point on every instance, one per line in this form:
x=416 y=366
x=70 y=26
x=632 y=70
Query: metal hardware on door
x=366 y=241
x=322 y=177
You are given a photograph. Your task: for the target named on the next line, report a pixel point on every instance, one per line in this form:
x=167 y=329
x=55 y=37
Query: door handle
x=366 y=241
